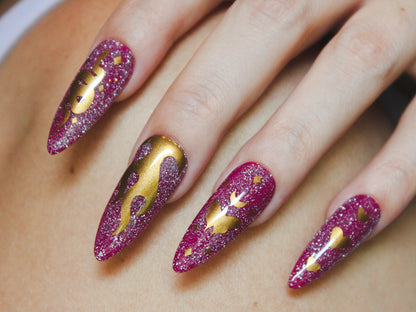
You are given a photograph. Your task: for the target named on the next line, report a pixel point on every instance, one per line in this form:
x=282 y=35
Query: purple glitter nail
x=100 y=80
x=234 y=205
x=348 y=226
x=156 y=171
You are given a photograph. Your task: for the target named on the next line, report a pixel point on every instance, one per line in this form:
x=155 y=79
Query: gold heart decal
x=312 y=265
x=338 y=239
x=362 y=216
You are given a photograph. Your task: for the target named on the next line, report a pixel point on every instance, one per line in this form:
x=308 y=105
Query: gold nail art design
x=338 y=239
x=257 y=180
x=235 y=201
x=148 y=170
x=312 y=265
x=188 y=252
x=117 y=60
x=218 y=219
x=82 y=91
x=362 y=216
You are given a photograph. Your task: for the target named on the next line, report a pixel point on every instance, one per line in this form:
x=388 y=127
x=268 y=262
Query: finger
x=129 y=47
x=229 y=71
x=349 y=74
x=217 y=87
x=389 y=184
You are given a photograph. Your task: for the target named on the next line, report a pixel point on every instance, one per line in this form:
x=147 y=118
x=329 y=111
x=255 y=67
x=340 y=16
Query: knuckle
x=368 y=48
x=296 y=139
x=202 y=100
x=283 y=11
x=394 y=170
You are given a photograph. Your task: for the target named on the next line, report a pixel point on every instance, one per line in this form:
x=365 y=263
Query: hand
x=233 y=67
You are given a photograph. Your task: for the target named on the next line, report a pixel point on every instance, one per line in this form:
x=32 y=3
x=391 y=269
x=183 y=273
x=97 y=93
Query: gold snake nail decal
x=148 y=171
x=82 y=90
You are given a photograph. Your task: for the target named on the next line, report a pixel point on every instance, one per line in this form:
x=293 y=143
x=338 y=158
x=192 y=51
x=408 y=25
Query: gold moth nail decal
x=233 y=206
x=157 y=169
x=219 y=221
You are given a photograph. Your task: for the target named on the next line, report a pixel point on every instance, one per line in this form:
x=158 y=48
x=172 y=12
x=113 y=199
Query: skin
x=50 y=206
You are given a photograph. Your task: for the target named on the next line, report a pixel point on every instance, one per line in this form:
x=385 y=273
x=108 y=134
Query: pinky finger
x=389 y=184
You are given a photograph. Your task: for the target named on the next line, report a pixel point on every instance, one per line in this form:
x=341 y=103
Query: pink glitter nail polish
x=348 y=226
x=99 y=81
x=156 y=171
x=234 y=205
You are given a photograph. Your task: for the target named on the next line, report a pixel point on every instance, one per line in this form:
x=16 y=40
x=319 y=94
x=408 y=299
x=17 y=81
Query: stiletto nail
x=99 y=81
x=348 y=226
x=156 y=171
x=234 y=205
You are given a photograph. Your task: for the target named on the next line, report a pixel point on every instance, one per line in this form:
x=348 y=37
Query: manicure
x=348 y=226
x=156 y=171
x=234 y=205
x=100 y=80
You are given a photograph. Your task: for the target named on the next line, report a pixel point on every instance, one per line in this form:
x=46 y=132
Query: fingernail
x=99 y=81
x=156 y=171
x=348 y=226
x=235 y=204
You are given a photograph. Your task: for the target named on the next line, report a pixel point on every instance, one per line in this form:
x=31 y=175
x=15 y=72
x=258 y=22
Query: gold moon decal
x=235 y=201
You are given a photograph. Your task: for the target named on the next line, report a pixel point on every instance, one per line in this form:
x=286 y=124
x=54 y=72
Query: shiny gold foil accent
x=208 y=251
x=235 y=200
x=218 y=219
x=257 y=179
x=148 y=170
x=312 y=265
x=338 y=240
x=188 y=252
x=117 y=60
x=82 y=91
x=74 y=120
x=362 y=216
x=101 y=88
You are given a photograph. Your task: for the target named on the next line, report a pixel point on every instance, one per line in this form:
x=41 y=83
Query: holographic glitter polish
x=156 y=171
x=235 y=204
x=348 y=226
x=99 y=81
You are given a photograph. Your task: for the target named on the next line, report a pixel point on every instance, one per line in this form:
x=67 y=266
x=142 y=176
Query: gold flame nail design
x=148 y=170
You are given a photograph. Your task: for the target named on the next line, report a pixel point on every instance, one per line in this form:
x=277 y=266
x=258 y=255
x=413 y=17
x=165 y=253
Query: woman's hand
x=227 y=74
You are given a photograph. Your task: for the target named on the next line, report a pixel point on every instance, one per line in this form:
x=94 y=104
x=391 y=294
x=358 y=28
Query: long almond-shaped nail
x=348 y=226
x=99 y=81
x=234 y=205
x=156 y=171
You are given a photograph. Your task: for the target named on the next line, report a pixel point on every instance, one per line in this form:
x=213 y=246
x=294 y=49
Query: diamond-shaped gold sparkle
x=101 y=88
x=117 y=60
x=74 y=120
x=188 y=252
x=257 y=179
